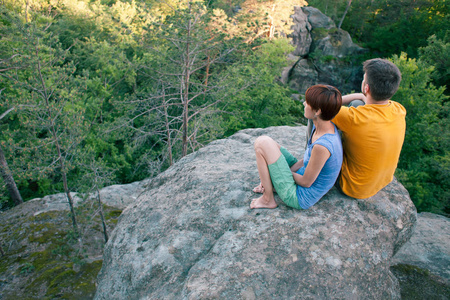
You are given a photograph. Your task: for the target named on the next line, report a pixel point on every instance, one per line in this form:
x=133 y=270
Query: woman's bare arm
x=319 y=156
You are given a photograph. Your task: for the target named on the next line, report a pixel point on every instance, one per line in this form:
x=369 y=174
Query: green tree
x=335 y=9
x=424 y=164
x=96 y=175
x=389 y=27
x=437 y=54
x=50 y=125
x=6 y=173
x=265 y=102
x=180 y=83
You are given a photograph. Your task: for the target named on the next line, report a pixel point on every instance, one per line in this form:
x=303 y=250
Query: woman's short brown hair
x=327 y=98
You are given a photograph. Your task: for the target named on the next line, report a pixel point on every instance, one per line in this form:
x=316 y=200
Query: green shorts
x=283 y=181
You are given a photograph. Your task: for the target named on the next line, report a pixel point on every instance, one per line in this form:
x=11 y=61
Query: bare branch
x=6 y=112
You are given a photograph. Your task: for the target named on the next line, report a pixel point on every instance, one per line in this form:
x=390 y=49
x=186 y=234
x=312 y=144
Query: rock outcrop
x=325 y=53
x=191 y=235
x=118 y=196
x=301 y=35
x=422 y=266
x=429 y=247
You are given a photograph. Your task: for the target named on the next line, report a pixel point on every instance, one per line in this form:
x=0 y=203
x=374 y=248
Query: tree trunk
x=186 y=89
x=64 y=178
x=70 y=200
x=105 y=233
x=9 y=180
x=345 y=13
x=56 y=140
x=26 y=10
x=169 y=140
x=6 y=172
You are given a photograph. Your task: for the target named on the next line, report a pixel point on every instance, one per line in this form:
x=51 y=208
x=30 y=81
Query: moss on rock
x=417 y=283
x=44 y=259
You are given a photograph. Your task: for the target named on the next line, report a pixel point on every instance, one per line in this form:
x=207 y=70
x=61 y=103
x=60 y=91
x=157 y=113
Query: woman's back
x=309 y=196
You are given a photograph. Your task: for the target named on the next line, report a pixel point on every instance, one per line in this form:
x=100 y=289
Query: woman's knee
x=263 y=141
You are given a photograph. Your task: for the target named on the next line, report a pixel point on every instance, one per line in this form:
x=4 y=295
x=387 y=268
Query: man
x=373 y=133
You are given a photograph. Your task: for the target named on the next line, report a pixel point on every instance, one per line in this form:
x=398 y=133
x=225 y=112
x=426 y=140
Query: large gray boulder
x=191 y=235
x=422 y=265
x=429 y=246
x=317 y=19
x=301 y=32
x=118 y=196
x=305 y=75
x=326 y=54
x=337 y=43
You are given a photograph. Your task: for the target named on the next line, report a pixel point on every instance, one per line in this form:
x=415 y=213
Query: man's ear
x=366 y=89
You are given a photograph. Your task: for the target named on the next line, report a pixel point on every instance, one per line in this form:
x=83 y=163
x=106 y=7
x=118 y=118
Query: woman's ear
x=318 y=112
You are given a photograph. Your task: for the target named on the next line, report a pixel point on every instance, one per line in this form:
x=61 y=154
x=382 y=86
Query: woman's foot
x=263 y=202
x=259 y=189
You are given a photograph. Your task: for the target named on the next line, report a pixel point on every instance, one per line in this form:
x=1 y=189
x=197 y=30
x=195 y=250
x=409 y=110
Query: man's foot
x=262 y=202
x=259 y=189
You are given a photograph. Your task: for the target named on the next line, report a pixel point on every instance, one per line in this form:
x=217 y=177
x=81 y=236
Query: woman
x=300 y=184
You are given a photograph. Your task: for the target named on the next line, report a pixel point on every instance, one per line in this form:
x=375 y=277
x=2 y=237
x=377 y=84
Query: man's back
x=372 y=137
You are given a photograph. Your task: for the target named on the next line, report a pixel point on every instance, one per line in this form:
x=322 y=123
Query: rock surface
x=429 y=247
x=192 y=235
x=325 y=53
x=301 y=36
x=317 y=19
x=118 y=196
x=42 y=258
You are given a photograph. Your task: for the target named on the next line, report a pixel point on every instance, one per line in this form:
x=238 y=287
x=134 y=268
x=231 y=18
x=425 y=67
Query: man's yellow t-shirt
x=372 y=138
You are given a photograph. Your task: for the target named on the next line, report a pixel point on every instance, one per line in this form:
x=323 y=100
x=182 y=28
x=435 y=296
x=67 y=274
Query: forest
x=96 y=92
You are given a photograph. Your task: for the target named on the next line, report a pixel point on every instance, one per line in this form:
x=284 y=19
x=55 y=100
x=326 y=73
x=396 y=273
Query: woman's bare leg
x=260 y=188
x=267 y=152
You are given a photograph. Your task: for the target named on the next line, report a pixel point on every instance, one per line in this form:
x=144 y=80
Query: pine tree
x=49 y=125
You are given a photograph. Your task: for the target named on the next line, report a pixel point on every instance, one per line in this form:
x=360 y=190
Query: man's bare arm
x=350 y=97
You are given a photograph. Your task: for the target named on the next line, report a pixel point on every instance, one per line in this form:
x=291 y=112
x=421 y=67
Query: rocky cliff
x=422 y=265
x=323 y=53
x=191 y=235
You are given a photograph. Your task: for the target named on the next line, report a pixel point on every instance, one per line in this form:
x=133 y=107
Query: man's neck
x=369 y=100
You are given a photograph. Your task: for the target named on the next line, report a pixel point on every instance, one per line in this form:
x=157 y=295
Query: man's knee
x=356 y=103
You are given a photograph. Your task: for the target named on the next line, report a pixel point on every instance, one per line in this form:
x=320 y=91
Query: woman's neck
x=322 y=127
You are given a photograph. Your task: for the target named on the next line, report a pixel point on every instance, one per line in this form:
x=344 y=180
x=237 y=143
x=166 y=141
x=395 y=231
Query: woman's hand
x=295 y=167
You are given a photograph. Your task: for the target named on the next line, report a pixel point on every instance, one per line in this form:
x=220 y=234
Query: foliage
x=389 y=27
x=437 y=54
x=266 y=102
x=182 y=73
x=331 y=8
x=126 y=76
x=424 y=165
x=113 y=61
x=117 y=60
x=50 y=120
